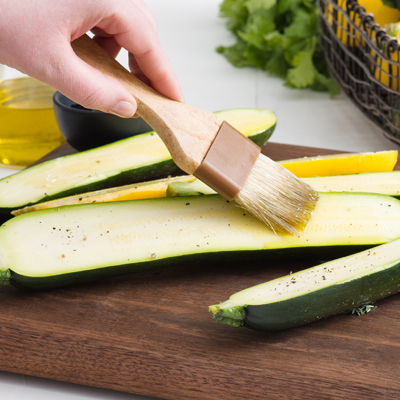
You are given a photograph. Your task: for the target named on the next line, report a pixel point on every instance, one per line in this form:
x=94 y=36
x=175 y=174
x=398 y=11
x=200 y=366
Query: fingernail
x=123 y=109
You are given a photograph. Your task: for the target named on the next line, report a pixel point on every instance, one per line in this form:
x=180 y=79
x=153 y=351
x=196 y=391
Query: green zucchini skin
x=93 y=175
x=37 y=284
x=324 y=303
x=298 y=309
x=141 y=174
x=75 y=244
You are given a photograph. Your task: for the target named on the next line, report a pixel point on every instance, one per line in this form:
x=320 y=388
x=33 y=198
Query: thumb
x=89 y=87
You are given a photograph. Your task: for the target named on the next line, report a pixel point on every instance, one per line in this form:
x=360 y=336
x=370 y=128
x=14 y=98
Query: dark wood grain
x=151 y=334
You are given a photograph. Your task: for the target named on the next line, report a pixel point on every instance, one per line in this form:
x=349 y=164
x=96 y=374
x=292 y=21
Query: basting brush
x=203 y=145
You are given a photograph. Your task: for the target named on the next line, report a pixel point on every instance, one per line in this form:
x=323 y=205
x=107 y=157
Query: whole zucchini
x=315 y=293
x=137 y=159
x=72 y=244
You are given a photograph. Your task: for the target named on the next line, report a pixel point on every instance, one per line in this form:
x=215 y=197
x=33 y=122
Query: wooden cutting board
x=151 y=334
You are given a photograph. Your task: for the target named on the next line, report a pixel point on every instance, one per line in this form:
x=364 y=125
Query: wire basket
x=364 y=60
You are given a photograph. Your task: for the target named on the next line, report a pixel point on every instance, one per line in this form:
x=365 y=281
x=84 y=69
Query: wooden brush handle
x=186 y=131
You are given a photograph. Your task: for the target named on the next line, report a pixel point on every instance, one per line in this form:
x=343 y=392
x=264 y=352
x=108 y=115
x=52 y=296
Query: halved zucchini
x=137 y=159
x=72 y=244
x=136 y=191
x=378 y=182
x=315 y=293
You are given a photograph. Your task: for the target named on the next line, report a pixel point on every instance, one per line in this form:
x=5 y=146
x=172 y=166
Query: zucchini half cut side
x=387 y=183
x=374 y=182
x=187 y=185
x=315 y=293
x=72 y=244
x=140 y=158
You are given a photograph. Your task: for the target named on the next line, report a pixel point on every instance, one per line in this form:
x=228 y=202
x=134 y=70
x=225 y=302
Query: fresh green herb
x=280 y=37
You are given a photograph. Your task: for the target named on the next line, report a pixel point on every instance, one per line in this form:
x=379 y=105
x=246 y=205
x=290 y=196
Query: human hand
x=36 y=40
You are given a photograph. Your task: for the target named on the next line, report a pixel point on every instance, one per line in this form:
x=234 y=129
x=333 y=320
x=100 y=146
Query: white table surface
x=190 y=31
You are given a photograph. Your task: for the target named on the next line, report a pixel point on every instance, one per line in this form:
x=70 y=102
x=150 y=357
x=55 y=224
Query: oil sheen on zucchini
x=72 y=244
x=315 y=293
x=375 y=182
x=137 y=159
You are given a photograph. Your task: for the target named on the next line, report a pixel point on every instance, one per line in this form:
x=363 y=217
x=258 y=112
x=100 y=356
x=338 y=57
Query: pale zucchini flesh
x=61 y=246
x=315 y=293
x=387 y=183
x=375 y=182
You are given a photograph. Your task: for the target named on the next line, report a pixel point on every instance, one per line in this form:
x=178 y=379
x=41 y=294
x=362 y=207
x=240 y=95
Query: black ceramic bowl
x=85 y=129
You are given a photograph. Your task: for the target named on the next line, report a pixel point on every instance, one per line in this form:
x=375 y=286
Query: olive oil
x=28 y=126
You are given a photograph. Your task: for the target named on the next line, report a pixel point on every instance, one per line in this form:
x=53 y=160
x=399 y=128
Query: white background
x=190 y=31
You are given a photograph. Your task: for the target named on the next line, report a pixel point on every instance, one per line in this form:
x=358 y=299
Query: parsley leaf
x=236 y=54
x=280 y=37
x=302 y=74
x=255 y=5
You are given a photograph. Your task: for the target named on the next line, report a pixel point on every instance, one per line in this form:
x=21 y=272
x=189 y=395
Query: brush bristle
x=277 y=197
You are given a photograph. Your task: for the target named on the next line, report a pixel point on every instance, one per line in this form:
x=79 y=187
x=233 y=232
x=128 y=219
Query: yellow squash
x=385 y=70
x=342 y=164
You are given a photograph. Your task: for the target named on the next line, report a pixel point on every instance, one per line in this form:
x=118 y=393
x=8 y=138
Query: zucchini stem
x=232 y=316
x=5 y=276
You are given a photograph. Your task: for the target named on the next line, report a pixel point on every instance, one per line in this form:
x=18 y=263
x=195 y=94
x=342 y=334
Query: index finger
x=139 y=36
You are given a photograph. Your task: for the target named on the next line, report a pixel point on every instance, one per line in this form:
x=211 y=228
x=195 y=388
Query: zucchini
x=139 y=158
x=382 y=182
x=135 y=191
x=187 y=185
x=315 y=293
x=375 y=182
x=62 y=246
x=189 y=188
x=387 y=183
